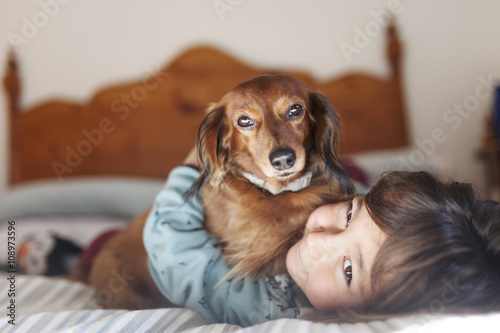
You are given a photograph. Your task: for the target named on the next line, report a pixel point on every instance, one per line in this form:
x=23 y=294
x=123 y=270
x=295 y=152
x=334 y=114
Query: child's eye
x=349 y=214
x=348 y=271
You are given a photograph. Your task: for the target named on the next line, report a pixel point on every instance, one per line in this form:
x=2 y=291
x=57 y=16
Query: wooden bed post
x=12 y=86
x=394 y=50
x=394 y=54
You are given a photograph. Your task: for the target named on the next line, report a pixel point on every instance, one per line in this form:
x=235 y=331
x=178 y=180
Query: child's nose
x=326 y=218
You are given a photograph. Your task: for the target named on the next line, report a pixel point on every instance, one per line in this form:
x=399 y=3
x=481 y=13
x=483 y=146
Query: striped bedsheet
x=43 y=304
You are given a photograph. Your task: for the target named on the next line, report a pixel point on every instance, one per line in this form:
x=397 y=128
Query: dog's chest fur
x=255 y=228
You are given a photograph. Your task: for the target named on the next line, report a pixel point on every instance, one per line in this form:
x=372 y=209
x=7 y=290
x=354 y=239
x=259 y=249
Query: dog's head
x=272 y=126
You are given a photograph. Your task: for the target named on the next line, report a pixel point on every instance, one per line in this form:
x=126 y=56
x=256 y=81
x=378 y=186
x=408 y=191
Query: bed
x=78 y=169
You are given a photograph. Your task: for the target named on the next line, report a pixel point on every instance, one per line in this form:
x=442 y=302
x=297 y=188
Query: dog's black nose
x=282 y=158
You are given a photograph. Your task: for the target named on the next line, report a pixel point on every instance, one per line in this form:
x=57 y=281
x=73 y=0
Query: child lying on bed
x=412 y=244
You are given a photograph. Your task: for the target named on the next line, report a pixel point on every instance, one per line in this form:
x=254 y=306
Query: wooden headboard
x=147 y=126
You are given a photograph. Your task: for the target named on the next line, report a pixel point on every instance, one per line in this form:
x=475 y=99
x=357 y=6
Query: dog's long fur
x=254 y=227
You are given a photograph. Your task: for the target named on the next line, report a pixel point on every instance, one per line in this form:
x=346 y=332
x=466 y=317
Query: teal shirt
x=186 y=263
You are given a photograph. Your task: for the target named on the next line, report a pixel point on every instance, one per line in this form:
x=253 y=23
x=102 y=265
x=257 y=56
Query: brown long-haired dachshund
x=269 y=157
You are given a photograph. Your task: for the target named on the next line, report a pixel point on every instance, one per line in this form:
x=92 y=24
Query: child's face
x=333 y=261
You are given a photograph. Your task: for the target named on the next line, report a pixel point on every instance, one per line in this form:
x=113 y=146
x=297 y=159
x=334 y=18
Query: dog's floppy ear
x=213 y=148
x=327 y=139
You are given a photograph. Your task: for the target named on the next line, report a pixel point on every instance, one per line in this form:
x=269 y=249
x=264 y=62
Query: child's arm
x=186 y=263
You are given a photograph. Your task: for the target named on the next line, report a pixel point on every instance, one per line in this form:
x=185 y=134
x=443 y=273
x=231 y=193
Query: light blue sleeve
x=186 y=263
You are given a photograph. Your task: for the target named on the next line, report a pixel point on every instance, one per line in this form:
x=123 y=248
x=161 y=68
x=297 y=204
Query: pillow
x=118 y=197
x=374 y=164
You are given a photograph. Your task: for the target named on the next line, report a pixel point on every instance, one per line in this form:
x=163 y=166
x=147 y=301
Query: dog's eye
x=295 y=111
x=245 y=122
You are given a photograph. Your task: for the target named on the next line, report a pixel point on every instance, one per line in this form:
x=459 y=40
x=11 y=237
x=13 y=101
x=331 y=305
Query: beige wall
x=70 y=48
